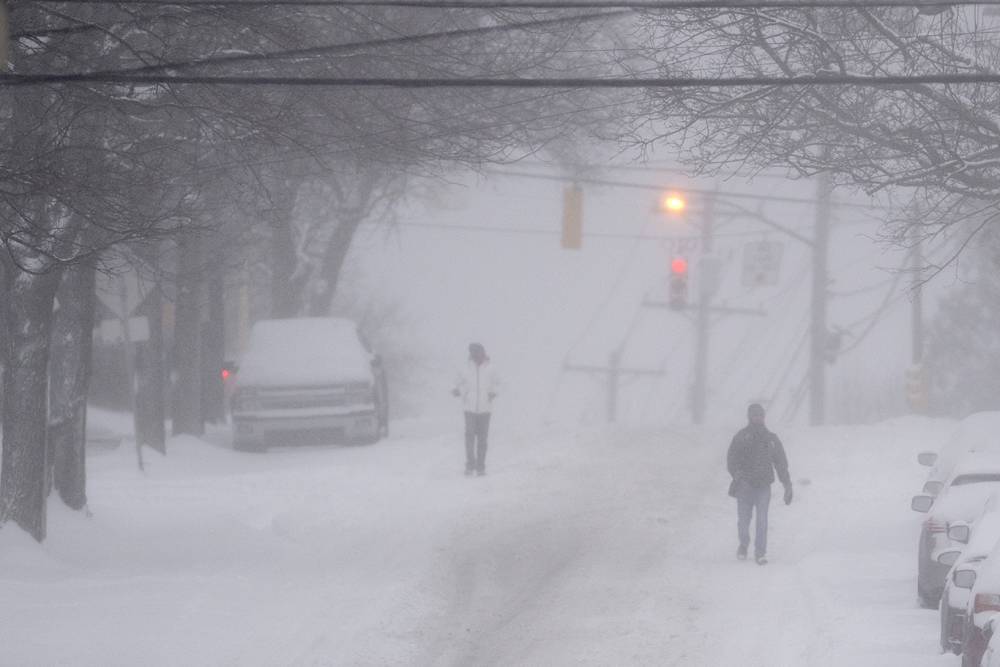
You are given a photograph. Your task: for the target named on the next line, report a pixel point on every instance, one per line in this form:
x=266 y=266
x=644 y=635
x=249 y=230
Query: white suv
x=306 y=380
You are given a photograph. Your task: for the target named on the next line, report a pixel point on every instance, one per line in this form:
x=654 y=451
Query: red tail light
x=986 y=602
x=934 y=526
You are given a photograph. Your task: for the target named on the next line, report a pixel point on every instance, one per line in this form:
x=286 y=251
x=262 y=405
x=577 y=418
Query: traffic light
x=917 y=389
x=572 y=219
x=677 y=296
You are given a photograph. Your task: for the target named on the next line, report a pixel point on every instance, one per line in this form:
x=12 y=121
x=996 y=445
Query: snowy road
x=595 y=548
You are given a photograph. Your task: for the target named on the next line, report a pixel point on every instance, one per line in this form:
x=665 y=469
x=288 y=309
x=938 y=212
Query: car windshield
x=976 y=478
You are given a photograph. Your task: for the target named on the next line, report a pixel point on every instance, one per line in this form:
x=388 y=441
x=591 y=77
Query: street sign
x=762 y=263
x=110 y=332
x=121 y=293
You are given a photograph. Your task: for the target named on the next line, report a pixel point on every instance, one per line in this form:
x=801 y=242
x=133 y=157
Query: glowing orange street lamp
x=673 y=202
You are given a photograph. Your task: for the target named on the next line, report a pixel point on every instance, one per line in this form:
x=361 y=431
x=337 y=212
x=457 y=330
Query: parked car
x=983 y=610
x=979 y=432
x=991 y=658
x=962 y=499
x=308 y=379
x=978 y=540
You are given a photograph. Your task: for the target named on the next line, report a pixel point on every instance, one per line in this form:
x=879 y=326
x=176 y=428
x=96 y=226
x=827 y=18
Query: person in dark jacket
x=755 y=454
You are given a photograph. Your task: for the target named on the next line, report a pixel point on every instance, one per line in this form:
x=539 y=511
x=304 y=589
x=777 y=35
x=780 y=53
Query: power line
x=350 y=47
x=653 y=169
x=532 y=231
x=112 y=77
x=544 y=4
x=661 y=188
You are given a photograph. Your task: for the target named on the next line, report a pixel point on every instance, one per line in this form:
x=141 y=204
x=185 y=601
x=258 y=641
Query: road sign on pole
x=762 y=263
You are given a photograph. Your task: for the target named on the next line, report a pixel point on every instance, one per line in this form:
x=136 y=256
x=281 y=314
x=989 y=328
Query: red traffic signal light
x=677 y=296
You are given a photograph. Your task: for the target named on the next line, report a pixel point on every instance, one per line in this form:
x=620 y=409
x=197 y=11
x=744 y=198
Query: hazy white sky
x=535 y=305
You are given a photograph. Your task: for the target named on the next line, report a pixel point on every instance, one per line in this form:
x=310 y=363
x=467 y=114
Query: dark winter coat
x=754 y=456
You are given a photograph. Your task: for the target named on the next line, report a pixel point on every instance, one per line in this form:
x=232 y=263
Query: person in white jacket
x=477 y=387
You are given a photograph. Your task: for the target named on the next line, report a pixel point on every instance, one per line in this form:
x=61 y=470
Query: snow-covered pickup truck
x=311 y=379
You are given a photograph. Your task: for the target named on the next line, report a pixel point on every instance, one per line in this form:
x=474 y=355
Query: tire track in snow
x=527 y=612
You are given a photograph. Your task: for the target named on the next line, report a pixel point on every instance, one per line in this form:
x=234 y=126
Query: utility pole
x=700 y=387
x=917 y=389
x=612 y=375
x=818 y=329
x=917 y=312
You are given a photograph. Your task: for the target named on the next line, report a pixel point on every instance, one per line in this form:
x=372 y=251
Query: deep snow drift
x=597 y=547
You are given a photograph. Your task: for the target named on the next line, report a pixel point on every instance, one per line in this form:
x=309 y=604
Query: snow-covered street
x=595 y=547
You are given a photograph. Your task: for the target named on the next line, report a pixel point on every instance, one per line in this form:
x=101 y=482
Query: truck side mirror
x=948 y=557
x=959 y=533
x=921 y=503
x=927 y=458
x=964 y=578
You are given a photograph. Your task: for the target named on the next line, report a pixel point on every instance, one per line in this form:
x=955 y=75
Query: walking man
x=477 y=387
x=755 y=454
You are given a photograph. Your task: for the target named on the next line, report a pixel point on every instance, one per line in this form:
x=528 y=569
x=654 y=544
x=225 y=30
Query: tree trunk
x=69 y=377
x=284 y=297
x=213 y=352
x=321 y=298
x=151 y=379
x=22 y=478
x=187 y=340
x=286 y=281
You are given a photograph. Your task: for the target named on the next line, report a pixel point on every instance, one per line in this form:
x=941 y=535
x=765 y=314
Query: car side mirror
x=959 y=533
x=964 y=578
x=949 y=557
x=921 y=503
x=933 y=488
x=927 y=458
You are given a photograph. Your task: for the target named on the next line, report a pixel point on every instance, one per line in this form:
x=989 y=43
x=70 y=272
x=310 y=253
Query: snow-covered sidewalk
x=598 y=547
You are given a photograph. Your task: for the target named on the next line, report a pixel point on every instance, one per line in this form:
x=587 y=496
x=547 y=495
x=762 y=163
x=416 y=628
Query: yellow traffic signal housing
x=572 y=219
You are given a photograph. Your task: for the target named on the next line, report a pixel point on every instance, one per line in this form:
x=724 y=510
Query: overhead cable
x=113 y=77
x=929 y=5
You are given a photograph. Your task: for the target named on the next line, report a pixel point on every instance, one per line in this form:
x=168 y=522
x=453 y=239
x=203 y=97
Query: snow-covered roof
x=975 y=463
x=985 y=534
x=979 y=432
x=308 y=351
x=963 y=503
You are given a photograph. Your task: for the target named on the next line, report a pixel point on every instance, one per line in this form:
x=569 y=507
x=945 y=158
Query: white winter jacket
x=477 y=385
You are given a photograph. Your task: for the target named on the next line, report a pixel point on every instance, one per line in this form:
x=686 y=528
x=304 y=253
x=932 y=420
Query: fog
x=458 y=334
x=500 y=276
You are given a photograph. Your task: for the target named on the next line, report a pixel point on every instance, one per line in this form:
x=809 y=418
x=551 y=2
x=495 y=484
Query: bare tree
x=936 y=143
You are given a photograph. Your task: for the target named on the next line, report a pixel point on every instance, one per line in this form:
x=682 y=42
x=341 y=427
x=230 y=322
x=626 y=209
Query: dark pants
x=748 y=499
x=477 y=428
